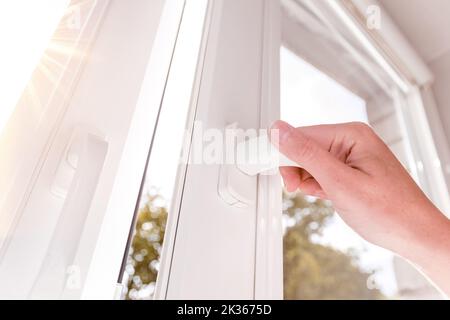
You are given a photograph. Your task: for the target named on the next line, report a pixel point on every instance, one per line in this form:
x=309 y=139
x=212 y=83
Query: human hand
x=370 y=189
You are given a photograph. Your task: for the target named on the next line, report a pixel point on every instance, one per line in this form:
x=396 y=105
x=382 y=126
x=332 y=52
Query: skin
x=370 y=189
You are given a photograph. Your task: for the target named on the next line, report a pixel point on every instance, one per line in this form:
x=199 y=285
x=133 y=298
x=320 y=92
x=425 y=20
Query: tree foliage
x=311 y=270
x=145 y=251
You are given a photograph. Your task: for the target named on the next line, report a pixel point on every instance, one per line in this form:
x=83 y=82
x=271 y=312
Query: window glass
x=323 y=257
x=166 y=161
x=144 y=254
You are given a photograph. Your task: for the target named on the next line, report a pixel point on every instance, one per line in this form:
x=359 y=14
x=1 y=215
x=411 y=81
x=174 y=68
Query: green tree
x=311 y=270
x=145 y=251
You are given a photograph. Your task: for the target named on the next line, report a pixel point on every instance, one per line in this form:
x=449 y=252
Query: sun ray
x=26 y=28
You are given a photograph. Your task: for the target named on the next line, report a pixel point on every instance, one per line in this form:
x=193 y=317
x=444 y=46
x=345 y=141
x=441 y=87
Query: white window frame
x=16 y=179
x=414 y=97
x=410 y=80
x=407 y=81
x=263 y=275
x=93 y=268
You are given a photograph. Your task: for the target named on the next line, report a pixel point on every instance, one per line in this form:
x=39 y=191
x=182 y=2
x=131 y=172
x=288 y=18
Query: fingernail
x=280 y=130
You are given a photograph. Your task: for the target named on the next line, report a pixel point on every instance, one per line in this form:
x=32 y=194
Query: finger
x=291 y=177
x=312 y=187
x=311 y=155
x=309 y=185
x=304 y=175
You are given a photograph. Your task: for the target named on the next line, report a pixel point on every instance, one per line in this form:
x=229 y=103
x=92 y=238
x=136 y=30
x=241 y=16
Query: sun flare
x=26 y=28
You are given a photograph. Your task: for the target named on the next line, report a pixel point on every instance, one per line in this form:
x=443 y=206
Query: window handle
x=253 y=156
x=86 y=154
x=259 y=156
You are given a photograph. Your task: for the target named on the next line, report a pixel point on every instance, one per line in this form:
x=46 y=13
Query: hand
x=370 y=189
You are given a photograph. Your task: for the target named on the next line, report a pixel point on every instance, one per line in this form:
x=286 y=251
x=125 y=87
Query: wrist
x=429 y=249
x=427 y=233
x=429 y=236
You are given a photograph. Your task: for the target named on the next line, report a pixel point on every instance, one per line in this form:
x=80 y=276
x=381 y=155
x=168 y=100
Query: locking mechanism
x=252 y=156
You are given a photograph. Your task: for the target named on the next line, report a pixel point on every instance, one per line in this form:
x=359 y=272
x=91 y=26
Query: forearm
x=373 y=193
x=430 y=250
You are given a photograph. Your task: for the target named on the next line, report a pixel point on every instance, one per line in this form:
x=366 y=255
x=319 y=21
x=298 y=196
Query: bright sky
x=26 y=27
x=310 y=97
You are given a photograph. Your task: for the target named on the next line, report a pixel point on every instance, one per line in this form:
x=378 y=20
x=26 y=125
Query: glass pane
x=165 y=162
x=156 y=195
x=329 y=76
x=323 y=257
x=154 y=205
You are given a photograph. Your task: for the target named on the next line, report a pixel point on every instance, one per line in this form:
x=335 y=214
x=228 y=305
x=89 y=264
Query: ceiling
x=426 y=23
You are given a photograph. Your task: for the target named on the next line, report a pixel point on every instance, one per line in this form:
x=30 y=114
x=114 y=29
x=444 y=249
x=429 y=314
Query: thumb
x=321 y=164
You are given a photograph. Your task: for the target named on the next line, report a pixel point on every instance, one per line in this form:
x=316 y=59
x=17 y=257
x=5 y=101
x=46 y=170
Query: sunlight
x=26 y=27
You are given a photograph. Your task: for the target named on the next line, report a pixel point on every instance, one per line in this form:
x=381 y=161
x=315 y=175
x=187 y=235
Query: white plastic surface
x=51 y=280
x=259 y=155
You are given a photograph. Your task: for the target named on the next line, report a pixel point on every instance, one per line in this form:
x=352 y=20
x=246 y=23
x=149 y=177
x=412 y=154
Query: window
x=73 y=149
x=166 y=164
x=323 y=257
x=42 y=58
x=101 y=192
x=210 y=246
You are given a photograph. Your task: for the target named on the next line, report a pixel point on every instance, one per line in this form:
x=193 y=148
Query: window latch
x=254 y=155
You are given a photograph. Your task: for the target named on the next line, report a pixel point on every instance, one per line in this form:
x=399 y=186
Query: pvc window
x=362 y=90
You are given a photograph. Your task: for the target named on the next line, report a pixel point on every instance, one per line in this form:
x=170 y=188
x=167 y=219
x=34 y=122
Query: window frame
x=407 y=81
x=98 y=248
x=95 y=251
x=17 y=186
x=266 y=282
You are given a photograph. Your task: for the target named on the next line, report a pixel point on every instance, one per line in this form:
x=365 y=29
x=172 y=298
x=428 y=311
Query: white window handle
x=258 y=155
x=86 y=154
x=253 y=156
